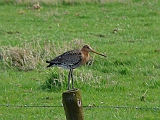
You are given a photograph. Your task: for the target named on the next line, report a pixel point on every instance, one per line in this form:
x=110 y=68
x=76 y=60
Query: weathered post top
x=72 y=103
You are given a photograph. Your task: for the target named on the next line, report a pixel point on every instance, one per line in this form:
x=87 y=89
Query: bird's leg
x=72 y=78
x=69 y=79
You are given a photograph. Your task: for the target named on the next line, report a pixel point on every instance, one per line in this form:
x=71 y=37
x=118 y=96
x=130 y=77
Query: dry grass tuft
x=31 y=55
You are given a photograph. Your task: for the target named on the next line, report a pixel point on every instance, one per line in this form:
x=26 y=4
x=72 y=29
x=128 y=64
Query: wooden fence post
x=72 y=103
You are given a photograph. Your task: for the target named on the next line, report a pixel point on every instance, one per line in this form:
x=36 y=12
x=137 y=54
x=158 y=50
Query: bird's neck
x=85 y=57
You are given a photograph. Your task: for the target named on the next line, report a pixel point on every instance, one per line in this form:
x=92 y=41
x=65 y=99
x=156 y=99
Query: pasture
x=123 y=86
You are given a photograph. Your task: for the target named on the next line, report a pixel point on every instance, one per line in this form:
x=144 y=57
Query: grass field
x=128 y=32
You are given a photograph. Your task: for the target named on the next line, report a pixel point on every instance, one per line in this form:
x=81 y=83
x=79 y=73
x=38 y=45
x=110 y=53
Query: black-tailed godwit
x=72 y=59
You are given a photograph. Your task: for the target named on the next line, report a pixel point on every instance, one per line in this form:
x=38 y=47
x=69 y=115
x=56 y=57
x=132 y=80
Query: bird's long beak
x=98 y=53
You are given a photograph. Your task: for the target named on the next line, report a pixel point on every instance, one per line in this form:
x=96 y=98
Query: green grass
x=126 y=31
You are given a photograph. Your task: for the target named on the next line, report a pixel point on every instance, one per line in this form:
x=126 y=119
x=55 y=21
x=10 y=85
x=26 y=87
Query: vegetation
x=126 y=31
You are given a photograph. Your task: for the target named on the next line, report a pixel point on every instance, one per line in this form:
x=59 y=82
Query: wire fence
x=54 y=106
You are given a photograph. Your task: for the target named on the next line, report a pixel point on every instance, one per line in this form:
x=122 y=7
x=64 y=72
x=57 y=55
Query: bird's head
x=87 y=48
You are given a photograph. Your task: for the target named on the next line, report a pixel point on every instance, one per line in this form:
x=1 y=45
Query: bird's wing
x=68 y=58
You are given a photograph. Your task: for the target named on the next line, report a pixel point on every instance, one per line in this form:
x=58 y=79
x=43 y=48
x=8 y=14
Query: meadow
x=123 y=86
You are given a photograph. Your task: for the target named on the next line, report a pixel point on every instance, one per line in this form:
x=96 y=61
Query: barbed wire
x=89 y=106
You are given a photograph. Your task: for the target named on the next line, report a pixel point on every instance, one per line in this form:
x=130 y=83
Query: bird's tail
x=47 y=61
x=51 y=64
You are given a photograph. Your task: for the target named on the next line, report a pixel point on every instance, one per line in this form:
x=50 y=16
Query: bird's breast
x=85 y=57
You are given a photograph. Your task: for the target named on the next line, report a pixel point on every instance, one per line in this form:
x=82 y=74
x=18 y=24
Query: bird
x=71 y=60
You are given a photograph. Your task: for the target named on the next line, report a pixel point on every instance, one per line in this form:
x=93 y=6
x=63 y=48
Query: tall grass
x=31 y=55
x=61 y=1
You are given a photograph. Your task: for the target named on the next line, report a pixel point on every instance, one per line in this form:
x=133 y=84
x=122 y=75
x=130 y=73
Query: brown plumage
x=72 y=59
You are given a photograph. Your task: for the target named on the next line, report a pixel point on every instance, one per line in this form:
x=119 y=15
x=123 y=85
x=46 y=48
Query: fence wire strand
x=58 y=106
